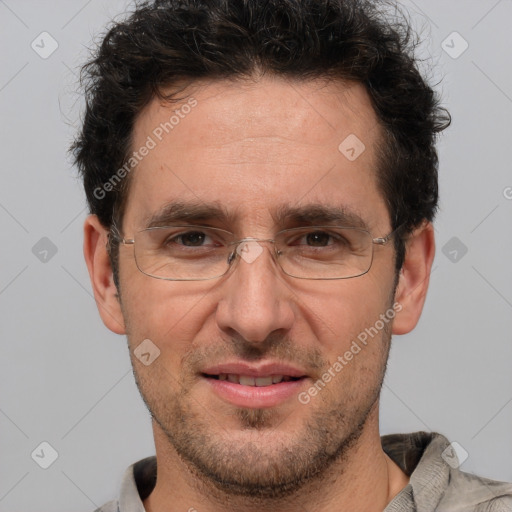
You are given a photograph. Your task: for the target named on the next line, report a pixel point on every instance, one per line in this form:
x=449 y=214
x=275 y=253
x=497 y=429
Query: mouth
x=263 y=386
x=248 y=380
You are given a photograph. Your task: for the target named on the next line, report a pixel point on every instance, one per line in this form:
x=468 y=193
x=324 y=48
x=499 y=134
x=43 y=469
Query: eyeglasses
x=197 y=253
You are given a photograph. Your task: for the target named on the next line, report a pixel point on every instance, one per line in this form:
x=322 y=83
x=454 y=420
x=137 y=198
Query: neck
x=365 y=479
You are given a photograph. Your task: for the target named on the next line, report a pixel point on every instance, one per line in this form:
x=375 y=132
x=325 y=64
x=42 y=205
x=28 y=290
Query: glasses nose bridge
x=252 y=239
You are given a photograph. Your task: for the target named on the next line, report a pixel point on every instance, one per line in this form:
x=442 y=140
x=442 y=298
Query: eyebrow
x=315 y=214
x=179 y=211
x=318 y=214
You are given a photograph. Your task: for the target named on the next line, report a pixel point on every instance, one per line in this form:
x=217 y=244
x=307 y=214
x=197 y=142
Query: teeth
x=262 y=381
x=246 y=380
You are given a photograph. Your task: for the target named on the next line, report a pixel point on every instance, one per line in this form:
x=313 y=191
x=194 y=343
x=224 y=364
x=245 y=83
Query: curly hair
x=166 y=42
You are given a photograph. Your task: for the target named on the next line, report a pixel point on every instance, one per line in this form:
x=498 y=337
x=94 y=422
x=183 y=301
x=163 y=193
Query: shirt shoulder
x=466 y=492
x=436 y=482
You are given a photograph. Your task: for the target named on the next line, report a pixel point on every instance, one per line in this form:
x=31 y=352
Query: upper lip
x=253 y=370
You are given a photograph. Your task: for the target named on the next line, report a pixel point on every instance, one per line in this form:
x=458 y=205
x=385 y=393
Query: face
x=254 y=159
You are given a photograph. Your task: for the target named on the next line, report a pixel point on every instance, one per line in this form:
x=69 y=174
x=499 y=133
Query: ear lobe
x=100 y=273
x=414 y=278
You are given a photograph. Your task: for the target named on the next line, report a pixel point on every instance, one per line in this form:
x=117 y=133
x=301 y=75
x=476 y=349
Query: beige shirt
x=436 y=482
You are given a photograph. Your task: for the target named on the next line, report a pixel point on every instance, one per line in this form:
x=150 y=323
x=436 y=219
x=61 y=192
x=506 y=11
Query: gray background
x=66 y=380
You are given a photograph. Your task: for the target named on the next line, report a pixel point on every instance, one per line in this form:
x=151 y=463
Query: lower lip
x=255 y=397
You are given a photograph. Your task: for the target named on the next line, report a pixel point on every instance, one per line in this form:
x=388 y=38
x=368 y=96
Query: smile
x=248 y=380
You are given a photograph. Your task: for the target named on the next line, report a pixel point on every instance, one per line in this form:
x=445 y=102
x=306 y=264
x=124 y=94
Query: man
x=262 y=179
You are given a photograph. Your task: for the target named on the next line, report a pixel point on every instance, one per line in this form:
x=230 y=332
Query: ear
x=414 y=278
x=100 y=273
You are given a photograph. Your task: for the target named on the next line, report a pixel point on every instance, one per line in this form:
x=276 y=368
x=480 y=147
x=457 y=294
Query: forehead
x=256 y=147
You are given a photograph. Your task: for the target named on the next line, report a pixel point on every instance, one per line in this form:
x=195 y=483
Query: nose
x=255 y=300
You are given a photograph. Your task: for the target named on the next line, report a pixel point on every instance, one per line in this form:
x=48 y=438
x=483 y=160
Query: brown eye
x=192 y=238
x=318 y=239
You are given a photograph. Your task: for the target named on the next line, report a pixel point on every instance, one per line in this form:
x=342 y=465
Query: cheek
x=170 y=314
x=338 y=311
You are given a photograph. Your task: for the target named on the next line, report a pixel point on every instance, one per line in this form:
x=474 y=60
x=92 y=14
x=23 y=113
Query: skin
x=253 y=147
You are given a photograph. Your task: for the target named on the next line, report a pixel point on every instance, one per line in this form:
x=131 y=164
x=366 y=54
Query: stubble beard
x=250 y=468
